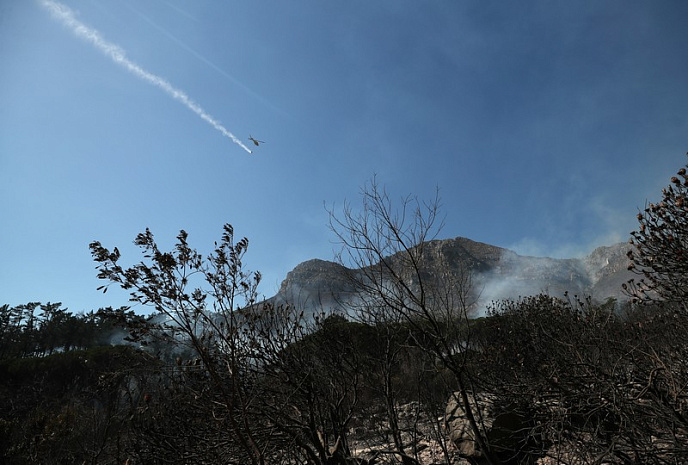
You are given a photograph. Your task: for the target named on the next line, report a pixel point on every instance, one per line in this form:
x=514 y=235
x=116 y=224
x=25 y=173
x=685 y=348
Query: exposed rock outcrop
x=505 y=430
x=496 y=274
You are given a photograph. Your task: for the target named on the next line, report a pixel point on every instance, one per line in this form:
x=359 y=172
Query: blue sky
x=544 y=124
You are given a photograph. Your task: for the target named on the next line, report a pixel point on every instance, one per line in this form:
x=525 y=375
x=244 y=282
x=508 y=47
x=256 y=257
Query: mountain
x=496 y=273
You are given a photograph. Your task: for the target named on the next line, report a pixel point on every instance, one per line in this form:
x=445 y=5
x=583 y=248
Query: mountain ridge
x=497 y=273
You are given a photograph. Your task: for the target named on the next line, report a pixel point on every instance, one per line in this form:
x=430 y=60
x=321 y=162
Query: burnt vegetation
x=407 y=375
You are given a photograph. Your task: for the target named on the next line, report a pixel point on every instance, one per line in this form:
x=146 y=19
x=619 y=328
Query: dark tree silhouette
x=391 y=246
x=661 y=247
x=278 y=388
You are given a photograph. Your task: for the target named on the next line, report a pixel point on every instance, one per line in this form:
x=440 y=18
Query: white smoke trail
x=117 y=54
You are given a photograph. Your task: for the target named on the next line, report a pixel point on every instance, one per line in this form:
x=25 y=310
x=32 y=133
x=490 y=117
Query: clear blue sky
x=545 y=125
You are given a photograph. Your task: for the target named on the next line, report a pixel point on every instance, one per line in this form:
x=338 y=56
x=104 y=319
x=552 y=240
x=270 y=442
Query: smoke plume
x=117 y=54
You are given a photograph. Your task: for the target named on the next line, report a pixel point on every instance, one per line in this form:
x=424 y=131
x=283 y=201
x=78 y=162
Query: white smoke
x=117 y=54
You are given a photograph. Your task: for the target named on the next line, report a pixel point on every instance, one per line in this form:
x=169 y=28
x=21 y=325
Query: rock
x=459 y=430
x=504 y=429
x=496 y=273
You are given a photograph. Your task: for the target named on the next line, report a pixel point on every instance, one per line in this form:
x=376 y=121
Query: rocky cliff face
x=496 y=273
x=608 y=269
x=314 y=285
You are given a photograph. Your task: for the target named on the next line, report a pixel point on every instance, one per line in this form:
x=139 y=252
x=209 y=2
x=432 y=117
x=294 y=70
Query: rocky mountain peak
x=496 y=274
x=312 y=273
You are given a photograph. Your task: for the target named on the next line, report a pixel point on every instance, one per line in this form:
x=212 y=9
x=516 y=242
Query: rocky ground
x=425 y=439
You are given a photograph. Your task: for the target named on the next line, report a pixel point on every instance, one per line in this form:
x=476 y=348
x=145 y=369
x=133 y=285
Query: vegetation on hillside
x=215 y=376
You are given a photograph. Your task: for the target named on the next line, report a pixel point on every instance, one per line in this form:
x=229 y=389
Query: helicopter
x=255 y=141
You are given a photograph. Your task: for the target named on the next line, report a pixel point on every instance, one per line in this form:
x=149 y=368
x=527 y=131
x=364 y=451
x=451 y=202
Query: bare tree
x=402 y=272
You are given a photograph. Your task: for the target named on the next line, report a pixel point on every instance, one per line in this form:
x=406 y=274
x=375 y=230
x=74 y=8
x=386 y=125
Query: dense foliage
x=35 y=329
